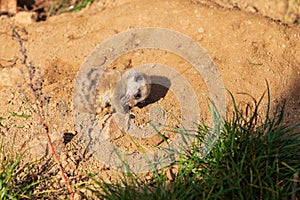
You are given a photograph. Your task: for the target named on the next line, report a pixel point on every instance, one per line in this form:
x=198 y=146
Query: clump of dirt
x=286 y=11
x=247 y=48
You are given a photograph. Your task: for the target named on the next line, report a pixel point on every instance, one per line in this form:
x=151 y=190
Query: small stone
x=9 y=76
x=252 y=9
x=26 y=17
x=200 y=30
x=38 y=146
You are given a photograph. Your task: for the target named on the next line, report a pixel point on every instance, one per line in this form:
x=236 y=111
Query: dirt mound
x=247 y=49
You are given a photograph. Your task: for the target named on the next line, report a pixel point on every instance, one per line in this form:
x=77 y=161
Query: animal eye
x=138 y=78
x=138 y=95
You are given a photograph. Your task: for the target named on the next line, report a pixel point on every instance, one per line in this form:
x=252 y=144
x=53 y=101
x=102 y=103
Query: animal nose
x=131 y=101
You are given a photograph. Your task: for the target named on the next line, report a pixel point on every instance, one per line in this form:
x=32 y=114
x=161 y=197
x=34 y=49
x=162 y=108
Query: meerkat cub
x=121 y=91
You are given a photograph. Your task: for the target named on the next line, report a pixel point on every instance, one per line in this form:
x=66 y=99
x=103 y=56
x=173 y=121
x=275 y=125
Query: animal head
x=138 y=86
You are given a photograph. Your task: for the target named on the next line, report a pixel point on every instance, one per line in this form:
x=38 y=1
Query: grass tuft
x=251 y=159
x=17 y=180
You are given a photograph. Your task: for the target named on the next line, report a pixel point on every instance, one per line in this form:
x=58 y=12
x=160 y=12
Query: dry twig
x=35 y=84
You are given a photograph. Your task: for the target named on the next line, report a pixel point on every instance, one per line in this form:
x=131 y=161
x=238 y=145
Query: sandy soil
x=247 y=48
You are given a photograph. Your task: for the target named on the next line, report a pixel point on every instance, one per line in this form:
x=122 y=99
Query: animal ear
x=138 y=78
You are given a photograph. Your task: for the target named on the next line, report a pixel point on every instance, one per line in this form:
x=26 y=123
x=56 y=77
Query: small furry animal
x=121 y=91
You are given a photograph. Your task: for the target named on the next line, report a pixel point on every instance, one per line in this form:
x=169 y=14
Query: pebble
x=200 y=30
x=9 y=77
x=25 y=17
x=38 y=146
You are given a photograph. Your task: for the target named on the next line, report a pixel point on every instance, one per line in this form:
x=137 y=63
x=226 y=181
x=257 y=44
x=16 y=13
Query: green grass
x=61 y=6
x=255 y=157
x=250 y=160
x=82 y=4
x=17 y=180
